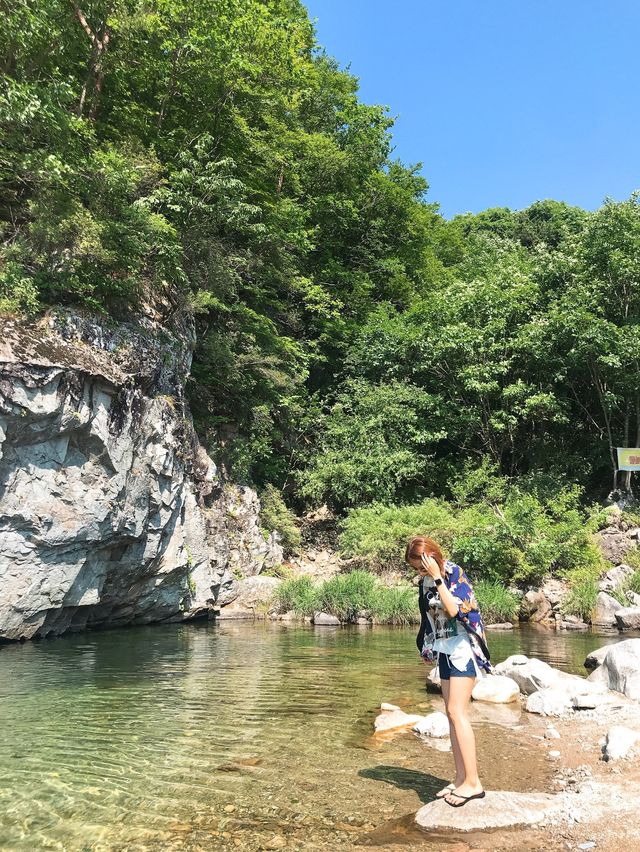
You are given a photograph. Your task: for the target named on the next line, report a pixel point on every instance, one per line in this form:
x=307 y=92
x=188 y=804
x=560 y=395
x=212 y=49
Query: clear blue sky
x=503 y=101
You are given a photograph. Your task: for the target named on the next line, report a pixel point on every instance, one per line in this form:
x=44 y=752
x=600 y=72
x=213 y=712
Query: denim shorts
x=448 y=670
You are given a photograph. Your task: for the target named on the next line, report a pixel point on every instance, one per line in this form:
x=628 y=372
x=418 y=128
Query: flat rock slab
x=498 y=809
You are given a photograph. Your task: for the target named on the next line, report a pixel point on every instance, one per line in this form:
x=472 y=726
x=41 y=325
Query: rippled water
x=231 y=736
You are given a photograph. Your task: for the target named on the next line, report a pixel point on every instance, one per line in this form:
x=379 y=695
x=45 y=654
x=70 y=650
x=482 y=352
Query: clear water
x=233 y=736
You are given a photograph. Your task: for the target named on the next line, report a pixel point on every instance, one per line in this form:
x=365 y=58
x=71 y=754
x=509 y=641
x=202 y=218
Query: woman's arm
x=449 y=603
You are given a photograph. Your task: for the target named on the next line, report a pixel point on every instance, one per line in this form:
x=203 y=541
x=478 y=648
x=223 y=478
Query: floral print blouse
x=468 y=612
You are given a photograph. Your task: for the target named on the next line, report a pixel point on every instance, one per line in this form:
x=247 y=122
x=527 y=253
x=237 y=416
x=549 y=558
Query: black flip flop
x=465 y=799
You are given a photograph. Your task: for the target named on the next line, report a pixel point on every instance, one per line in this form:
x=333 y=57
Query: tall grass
x=581 y=599
x=497 y=603
x=347 y=596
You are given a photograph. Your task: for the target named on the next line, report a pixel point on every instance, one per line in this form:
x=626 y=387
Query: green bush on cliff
x=380 y=532
x=521 y=538
x=276 y=515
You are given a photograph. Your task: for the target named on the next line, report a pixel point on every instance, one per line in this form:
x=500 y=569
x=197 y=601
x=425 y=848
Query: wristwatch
x=438 y=581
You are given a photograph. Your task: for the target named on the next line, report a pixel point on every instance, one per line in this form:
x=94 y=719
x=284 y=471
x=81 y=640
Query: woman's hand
x=430 y=566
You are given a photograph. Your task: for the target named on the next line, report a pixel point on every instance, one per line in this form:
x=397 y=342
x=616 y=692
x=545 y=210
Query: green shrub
x=380 y=533
x=523 y=537
x=18 y=291
x=497 y=603
x=279 y=570
x=275 y=515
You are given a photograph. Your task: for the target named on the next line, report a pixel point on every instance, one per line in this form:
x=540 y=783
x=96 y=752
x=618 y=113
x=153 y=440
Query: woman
x=451 y=628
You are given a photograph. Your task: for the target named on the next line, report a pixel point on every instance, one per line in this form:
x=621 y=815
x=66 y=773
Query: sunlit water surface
x=235 y=735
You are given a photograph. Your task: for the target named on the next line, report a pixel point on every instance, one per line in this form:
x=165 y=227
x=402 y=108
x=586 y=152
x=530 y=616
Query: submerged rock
x=499 y=809
x=395 y=719
x=434 y=725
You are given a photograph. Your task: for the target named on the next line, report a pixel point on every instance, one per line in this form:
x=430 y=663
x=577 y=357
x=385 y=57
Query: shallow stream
x=237 y=735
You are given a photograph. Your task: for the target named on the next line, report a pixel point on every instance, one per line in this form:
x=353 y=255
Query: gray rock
x=549 y=702
x=614 y=544
x=628 y=618
x=503 y=625
x=253 y=597
x=604 y=614
x=620 y=669
x=615 y=577
x=530 y=674
x=325 y=619
x=535 y=607
x=574 y=625
x=499 y=809
x=555 y=591
x=619 y=743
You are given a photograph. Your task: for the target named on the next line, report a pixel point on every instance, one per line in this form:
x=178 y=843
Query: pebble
x=551 y=733
x=554 y=755
x=589 y=844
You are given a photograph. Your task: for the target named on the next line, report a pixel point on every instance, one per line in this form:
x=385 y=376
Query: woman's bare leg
x=457 y=703
x=455 y=748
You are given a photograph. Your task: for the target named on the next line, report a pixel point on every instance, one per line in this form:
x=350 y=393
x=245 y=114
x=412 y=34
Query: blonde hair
x=419 y=544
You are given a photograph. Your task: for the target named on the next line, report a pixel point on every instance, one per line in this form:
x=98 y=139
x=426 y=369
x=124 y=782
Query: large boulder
x=614 y=578
x=620 y=669
x=535 y=606
x=254 y=594
x=325 y=619
x=604 y=613
x=551 y=692
x=496 y=689
x=628 y=618
x=530 y=674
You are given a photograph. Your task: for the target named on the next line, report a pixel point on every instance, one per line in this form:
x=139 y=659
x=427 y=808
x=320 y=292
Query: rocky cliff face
x=110 y=511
